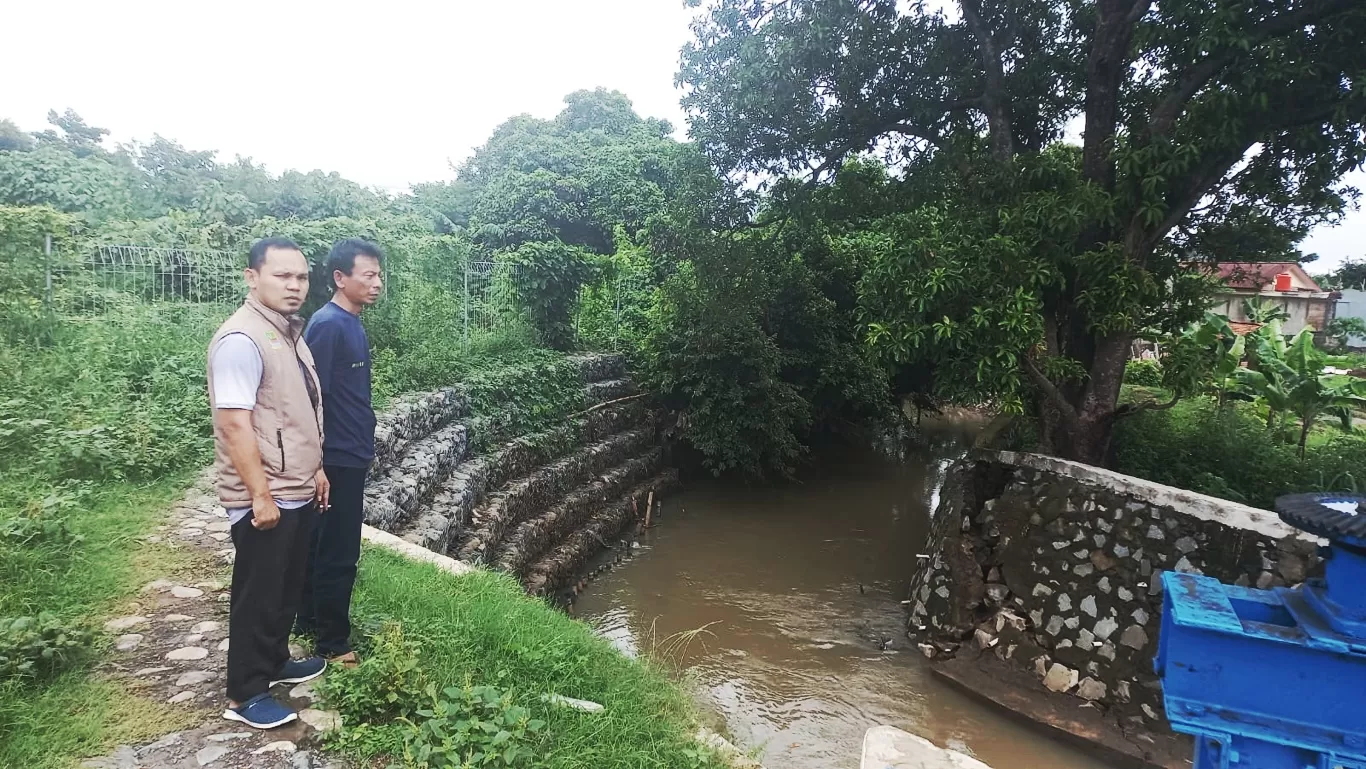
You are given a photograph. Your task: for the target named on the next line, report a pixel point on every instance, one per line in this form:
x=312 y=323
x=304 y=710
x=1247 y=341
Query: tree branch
x=897 y=123
x=1049 y=389
x=1164 y=117
x=1140 y=240
x=1129 y=409
x=1106 y=65
x=1138 y=11
x=995 y=102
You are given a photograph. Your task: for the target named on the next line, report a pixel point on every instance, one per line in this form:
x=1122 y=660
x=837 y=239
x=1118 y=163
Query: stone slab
x=886 y=747
x=1021 y=696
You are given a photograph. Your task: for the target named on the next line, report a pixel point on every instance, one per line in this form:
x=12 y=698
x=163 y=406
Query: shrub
x=388 y=684
x=552 y=274
x=749 y=343
x=1228 y=452
x=39 y=646
x=31 y=529
x=1144 y=373
x=712 y=360
x=472 y=726
x=524 y=398
x=110 y=400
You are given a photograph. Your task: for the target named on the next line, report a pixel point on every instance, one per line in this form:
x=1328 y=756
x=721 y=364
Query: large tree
x=574 y=178
x=1028 y=264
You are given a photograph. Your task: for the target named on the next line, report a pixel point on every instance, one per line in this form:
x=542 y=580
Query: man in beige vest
x=267 y=425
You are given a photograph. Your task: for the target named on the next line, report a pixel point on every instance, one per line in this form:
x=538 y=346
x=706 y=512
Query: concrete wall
x=1053 y=567
x=1314 y=311
x=1353 y=305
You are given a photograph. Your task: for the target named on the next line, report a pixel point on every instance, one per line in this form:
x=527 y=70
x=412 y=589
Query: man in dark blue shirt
x=342 y=353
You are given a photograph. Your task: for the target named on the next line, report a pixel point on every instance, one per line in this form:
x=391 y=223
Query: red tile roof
x=1258 y=275
x=1243 y=329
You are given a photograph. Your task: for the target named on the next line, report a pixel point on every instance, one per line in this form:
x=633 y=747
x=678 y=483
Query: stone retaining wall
x=538 y=506
x=1054 y=566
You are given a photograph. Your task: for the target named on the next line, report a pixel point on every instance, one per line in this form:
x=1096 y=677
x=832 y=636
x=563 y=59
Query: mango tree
x=1022 y=265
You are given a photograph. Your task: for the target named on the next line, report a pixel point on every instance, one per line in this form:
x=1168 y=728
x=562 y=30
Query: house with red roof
x=1282 y=284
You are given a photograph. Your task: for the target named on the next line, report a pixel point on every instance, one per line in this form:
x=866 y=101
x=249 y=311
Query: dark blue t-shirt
x=342 y=353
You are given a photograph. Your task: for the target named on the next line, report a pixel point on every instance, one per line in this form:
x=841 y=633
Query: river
x=791 y=590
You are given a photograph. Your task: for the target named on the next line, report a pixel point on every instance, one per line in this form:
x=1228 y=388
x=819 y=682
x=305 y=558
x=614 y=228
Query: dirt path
x=171 y=646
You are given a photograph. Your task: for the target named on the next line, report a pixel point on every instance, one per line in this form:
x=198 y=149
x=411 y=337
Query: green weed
x=472 y=726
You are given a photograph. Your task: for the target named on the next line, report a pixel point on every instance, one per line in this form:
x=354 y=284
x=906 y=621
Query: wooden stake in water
x=649 y=508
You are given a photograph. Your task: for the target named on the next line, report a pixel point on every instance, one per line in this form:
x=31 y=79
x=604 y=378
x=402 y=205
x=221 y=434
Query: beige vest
x=288 y=424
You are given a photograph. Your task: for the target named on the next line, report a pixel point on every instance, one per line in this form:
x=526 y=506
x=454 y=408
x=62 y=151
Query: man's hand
x=324 y=491
x=264 y=513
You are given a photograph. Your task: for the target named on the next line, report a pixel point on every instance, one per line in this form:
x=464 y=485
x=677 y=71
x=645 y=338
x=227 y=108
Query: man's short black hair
x=343 y=256
x=257 y=255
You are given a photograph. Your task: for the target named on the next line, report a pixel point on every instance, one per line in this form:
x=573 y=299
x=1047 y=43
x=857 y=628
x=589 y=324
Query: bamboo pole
x=606 y=404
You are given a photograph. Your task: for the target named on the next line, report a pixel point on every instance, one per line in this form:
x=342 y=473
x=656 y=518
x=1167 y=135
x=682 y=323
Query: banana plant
x=1293 y=382
x=1267 y=342
x=1206 y=354
x=1259 y=310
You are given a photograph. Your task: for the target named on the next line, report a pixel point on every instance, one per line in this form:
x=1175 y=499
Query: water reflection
x=783 y=603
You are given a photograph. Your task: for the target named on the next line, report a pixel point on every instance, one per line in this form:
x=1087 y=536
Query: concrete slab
x=886 y=747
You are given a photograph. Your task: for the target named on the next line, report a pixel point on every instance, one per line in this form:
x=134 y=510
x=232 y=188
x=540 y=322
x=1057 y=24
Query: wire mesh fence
x=491 y=297
x=110 y=277
x=107 y=282
x=611 y=313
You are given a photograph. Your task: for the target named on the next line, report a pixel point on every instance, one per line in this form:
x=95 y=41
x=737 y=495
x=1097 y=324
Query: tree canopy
x=575 y=178
x=69 y=168
x=1024 y=264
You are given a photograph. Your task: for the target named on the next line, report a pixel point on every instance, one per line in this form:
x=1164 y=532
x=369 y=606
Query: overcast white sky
x=387 y=93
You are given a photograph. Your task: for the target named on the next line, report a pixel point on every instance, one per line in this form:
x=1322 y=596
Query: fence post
x=466 y=302
x=47 y=272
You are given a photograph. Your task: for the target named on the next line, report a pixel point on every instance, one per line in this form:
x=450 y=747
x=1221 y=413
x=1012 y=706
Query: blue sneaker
x=262 y=712
x=298 y=671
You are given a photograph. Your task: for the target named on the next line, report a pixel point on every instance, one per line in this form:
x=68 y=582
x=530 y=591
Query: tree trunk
x=1082 y=432
x=1304 y=434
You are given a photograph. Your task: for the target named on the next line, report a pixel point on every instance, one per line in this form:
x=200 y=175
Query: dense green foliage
x=39 y=646
x=1020 y=266
x=754 y=341
x=1144 y=373
x=473 y=726
x=1227 y=452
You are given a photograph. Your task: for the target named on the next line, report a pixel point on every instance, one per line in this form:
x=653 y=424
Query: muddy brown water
x=792 y=590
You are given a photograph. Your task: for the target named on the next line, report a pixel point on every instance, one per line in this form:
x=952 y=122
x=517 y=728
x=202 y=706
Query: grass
x=50 y=724
x=483 y=626
x=1350 y=360
x=76 y=716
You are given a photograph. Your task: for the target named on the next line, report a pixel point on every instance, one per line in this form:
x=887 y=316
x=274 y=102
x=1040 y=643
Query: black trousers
x=335 y=551
x=267 y=583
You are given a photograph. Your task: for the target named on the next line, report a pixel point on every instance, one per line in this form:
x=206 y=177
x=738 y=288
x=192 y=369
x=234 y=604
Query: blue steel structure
x=1274 y=679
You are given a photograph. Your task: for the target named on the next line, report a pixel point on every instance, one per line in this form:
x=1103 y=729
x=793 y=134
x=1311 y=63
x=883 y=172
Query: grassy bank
x=76 y=573
x=482 y=629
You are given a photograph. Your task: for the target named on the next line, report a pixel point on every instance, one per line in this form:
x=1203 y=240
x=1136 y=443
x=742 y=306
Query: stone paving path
x=172 y=647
